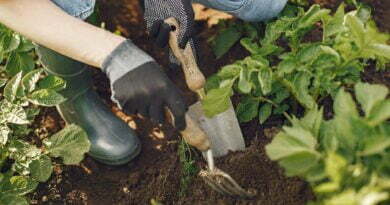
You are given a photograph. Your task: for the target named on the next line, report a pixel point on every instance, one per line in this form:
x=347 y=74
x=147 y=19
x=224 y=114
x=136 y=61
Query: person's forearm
x=44 y=23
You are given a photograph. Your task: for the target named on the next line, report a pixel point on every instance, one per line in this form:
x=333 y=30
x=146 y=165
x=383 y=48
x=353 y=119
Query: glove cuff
x=117 y=64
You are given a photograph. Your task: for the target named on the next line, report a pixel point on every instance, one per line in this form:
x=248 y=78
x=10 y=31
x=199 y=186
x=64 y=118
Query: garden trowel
x=212 y=136
x=223 y=129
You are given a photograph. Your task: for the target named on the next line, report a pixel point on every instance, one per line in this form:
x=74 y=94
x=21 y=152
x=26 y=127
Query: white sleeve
x=46 y=24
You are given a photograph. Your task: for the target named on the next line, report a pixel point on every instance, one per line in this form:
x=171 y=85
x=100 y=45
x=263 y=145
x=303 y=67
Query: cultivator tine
x=216 y=184
x=224 y=184
x=211 y=183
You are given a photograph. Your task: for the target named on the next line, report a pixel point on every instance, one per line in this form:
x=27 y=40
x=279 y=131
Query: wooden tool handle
x=195 y=136
x=192 y=134
x=194 y=77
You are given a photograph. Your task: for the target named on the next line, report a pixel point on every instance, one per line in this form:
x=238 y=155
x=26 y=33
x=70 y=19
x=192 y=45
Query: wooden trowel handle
x=194 y=77
x=195 y=136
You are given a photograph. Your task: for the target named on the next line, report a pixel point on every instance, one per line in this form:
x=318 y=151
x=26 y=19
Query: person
x=66 y=45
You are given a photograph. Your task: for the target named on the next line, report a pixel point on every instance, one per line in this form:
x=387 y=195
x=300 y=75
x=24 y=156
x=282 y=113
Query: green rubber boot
x=113 y=142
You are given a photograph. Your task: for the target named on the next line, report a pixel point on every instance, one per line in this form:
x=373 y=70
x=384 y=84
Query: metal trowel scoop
x=212 y=136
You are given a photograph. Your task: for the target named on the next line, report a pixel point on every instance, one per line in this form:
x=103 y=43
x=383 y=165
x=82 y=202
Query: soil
x=156 y=172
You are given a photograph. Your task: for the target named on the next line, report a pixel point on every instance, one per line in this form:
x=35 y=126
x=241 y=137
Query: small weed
x=189 y=168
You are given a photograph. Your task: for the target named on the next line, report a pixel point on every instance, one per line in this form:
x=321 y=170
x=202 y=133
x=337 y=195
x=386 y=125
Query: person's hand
x=144 y=89
x=156 y=11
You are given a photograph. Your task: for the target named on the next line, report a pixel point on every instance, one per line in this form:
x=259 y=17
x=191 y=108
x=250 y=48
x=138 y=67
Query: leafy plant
x=189 y=168
x=345 y=159
x=24 y=88
x=281 y=66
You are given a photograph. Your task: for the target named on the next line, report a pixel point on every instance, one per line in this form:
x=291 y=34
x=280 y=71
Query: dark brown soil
x=381 y=13
x=155 y=174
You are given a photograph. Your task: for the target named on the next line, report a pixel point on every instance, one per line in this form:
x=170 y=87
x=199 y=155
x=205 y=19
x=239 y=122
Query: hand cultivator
x=200 y=128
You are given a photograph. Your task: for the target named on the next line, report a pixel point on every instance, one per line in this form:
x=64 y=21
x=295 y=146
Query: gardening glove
x=156 y=11
x=140 y=86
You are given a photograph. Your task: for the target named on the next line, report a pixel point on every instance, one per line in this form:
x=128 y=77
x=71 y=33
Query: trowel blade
x=223 y=129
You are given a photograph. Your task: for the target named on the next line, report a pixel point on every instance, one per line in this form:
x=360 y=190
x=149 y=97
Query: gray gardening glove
x=140 y=86
x=156 y=11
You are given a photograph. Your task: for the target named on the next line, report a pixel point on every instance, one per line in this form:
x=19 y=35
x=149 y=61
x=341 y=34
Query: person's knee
x=259 y=10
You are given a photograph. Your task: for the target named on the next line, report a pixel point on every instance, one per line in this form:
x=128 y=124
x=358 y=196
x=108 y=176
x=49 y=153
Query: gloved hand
x=156 y=11
x=140 y=86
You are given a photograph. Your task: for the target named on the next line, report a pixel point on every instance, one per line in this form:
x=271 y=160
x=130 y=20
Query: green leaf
x=225 y=40
x=11 y=199
x=244 y=85
x=12 y=87
x=25 y=45
x=18 y=185
x=335 y=165
x=4 y=133
x=217 y=100
x=2 y=82
x=364 y=13
x=344 y=106
x=306 y=23
x=287 y=66
x=316 y=173
x=10 y=42
x=41 y=168
x=52 y=82
x=356 y=27
x=302 y=135
x=19 y=62
x=70 y=144
x=370 y=95
x=376 y=145
x=380 y=113
x=265 y=80
x=46 y=97
x=335 y=25
x=313 y=120
x=285 y=145
x=247 y=109
x=299 y=163
x=327 y=187
x=346 y=197
x=22 y=151
x=310 y=53
x=30 y=80
x=281 y=109
x=313 y=15
x=230 y=71
x=265 y=112
x=281 y=95
x=250 y=45
x=275 y=29
x=379 y=50
x=329 y=139
x=300 y=89
x=13 y=113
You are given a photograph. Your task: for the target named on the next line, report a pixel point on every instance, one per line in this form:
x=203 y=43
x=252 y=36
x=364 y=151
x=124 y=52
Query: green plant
x=346 y=159
x=281 y=66
x=189 y=168
x=23 y=89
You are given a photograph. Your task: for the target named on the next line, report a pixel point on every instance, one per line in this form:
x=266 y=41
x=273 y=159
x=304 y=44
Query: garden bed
x=155 y=174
